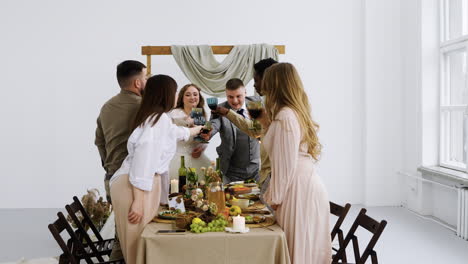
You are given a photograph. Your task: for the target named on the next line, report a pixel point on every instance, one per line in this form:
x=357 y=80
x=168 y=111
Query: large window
x=454 y=84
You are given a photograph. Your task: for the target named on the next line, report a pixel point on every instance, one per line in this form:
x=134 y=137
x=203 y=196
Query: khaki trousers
x=122 y=199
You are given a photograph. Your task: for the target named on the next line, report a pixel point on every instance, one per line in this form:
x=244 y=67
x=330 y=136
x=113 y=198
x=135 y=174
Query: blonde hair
x=283 y=88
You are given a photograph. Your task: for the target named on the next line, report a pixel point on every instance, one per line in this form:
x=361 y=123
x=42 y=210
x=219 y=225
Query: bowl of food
x=168 y=215
x=254 y=219
x=242 y=203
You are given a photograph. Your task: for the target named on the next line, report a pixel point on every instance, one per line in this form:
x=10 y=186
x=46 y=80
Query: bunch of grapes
x=216 y=225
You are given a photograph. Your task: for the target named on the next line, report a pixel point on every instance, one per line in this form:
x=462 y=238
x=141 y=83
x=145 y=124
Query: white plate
x=230 y=230
x=236 y=182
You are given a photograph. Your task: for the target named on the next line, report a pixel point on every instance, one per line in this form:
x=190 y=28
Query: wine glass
x=197 y=116
x=199 y=120
x=205 y=130
x=212 y=104
x=255 y=110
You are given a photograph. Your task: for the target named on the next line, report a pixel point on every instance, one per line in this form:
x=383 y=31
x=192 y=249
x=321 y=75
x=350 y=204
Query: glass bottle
x=218 y=169
x=182 y=174
x=216 y=195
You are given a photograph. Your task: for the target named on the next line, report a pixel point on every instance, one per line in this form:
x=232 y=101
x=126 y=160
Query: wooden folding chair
x=370 y=225
x=341 y=213
x=83 y=252
x=101 y=247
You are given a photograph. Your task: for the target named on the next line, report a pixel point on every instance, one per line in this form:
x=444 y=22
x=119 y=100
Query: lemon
x=235 y=210
x=196 y=221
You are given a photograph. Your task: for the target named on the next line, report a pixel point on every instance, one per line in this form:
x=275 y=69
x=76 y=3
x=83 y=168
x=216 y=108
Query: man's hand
x=206 y=136
x=222 y=111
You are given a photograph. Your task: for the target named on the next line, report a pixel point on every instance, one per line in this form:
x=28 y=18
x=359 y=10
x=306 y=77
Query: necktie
x=241 y=112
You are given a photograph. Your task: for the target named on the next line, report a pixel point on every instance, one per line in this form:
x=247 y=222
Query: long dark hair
x=158 y=98
x=180 y=99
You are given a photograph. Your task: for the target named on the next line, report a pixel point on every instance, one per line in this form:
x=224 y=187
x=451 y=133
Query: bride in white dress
x=189 y=97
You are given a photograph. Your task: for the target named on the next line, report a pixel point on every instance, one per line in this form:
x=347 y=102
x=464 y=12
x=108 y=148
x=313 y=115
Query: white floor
x=407 y=238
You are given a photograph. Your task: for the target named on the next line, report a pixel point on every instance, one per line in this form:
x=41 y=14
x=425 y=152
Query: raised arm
x=242 y=123
x=285 y=135
x=215 y=125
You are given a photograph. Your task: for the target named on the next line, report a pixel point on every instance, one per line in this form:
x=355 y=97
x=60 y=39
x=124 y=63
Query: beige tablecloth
x=260 y=245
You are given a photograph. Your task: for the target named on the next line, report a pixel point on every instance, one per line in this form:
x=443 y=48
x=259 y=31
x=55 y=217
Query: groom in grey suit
x=239 y=154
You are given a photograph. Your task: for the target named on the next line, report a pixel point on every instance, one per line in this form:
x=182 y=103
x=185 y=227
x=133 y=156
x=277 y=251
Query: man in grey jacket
x=239 y=154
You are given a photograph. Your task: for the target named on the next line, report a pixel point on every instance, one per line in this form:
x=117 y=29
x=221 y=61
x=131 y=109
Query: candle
x=238 y=223
x=174 y=186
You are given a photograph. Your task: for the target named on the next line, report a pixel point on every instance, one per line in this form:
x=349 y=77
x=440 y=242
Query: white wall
x=58 y=62
x=420 y=55
x=59 y=58
x=383 y=101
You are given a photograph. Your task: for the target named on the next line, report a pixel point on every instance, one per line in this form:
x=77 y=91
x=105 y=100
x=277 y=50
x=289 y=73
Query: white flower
x=205 y=207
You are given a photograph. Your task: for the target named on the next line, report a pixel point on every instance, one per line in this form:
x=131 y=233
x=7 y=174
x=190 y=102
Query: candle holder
x=174 y=186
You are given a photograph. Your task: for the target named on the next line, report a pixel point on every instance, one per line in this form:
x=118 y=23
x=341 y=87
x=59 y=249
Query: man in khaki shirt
x=244 y=124
x=114 y=124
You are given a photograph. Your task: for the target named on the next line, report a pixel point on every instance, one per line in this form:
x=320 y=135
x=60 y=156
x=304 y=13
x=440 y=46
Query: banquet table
x=260 y=245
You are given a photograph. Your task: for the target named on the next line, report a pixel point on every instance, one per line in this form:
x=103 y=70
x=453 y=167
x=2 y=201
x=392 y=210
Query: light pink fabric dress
x=304 y=208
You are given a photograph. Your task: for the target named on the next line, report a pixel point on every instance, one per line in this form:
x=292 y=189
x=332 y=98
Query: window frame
x=448 y=46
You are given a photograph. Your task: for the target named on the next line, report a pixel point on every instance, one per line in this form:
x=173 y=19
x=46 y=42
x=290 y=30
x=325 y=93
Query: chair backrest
x=340 y=212
x=76 y=207
x=73 y=209
x=371 y=225
x=56 y=228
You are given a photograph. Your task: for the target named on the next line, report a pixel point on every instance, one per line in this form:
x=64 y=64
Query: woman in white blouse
x=136 y=186
x=189 y=97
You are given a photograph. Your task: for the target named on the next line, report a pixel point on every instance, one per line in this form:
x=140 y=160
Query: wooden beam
x=166 y=50
x=148 y=65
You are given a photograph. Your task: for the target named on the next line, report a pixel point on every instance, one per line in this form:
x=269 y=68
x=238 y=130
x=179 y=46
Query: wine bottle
x=218 y=169
x=182 y=174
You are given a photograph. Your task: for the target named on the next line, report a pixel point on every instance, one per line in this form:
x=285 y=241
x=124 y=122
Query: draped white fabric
x=201 y=67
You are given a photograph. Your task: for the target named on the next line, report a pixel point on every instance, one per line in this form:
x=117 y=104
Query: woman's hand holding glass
x=195 y=130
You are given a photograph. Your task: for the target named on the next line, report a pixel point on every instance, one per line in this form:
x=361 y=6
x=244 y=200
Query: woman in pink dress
x=296 y=192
